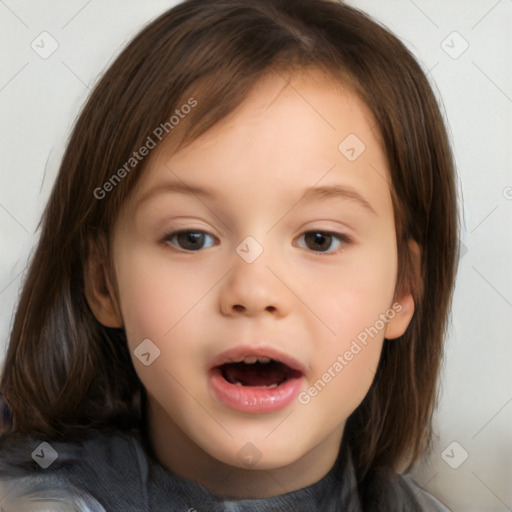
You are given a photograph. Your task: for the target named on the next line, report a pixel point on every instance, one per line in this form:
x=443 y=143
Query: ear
x=410 y=285
x=99 y=291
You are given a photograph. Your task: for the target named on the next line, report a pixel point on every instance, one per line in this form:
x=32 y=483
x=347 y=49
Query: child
x=240 y=292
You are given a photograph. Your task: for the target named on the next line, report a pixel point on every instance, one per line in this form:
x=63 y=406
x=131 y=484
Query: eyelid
x=173 y=222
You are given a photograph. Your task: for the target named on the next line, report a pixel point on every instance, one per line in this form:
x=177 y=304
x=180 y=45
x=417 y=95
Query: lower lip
x=253 y=399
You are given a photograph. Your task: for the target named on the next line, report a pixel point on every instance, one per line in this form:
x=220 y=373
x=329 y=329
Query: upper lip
x=238 y=353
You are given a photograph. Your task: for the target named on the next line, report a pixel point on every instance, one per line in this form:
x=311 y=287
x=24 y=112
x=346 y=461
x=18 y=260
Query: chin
x=257 y=454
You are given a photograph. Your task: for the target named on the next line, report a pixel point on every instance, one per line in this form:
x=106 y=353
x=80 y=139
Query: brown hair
x=65 y=372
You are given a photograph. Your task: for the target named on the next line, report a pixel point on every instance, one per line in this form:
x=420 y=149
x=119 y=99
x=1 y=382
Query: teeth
x=238 y=383
x=255 y=359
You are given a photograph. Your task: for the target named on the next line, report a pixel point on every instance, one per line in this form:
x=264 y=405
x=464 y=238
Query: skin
x=310 y=304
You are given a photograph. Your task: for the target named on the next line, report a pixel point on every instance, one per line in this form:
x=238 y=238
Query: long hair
x=64 y=372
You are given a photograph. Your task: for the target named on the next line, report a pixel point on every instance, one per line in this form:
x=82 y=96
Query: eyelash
x=341 y=238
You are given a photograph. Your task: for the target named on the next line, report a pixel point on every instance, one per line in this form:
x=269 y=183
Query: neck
x=178 y=453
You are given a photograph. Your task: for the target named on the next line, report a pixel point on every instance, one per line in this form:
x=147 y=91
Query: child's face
x=327 y=270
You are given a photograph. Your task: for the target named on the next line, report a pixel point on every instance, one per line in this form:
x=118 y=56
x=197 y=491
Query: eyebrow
x=176 y=187
x=309 y=194
x=337 y=192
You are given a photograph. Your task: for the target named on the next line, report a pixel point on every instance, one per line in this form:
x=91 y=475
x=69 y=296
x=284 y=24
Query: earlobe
x=404 y=304
x=404 y=311
x=100 y=293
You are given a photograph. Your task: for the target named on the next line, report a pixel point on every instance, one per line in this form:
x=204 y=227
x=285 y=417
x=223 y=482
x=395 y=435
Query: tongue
x=256 y=374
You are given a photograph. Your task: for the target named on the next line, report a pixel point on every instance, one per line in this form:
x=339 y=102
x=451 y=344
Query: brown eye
x=322 y=241
x=189 y=240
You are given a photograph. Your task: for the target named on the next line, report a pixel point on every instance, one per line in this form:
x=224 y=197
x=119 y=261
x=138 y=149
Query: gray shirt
x=114 y=472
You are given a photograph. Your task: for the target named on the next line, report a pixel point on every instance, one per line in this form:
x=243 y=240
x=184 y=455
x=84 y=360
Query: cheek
x=341 y=376
x=353 y=295
x=355 y=305
x=345 y=382
x=153 y=298
x=161 y=306
x=171 y=308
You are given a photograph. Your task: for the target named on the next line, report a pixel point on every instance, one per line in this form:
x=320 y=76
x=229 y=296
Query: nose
x=252 y=289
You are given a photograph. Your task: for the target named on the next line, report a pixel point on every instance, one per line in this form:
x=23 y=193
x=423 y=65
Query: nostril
x=239 y=308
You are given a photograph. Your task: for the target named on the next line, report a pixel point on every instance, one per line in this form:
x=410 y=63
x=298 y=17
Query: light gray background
x=40 y=98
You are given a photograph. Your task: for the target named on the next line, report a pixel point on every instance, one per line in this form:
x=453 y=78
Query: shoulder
x=33 y=493
x=385 y=490
x=69 y=475
x=428 y=502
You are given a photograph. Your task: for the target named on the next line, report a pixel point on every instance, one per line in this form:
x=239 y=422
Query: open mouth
x=258 y=372
x=256 y=380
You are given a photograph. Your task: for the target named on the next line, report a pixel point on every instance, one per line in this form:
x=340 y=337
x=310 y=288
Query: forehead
x=281 y=98
x=291 y=130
